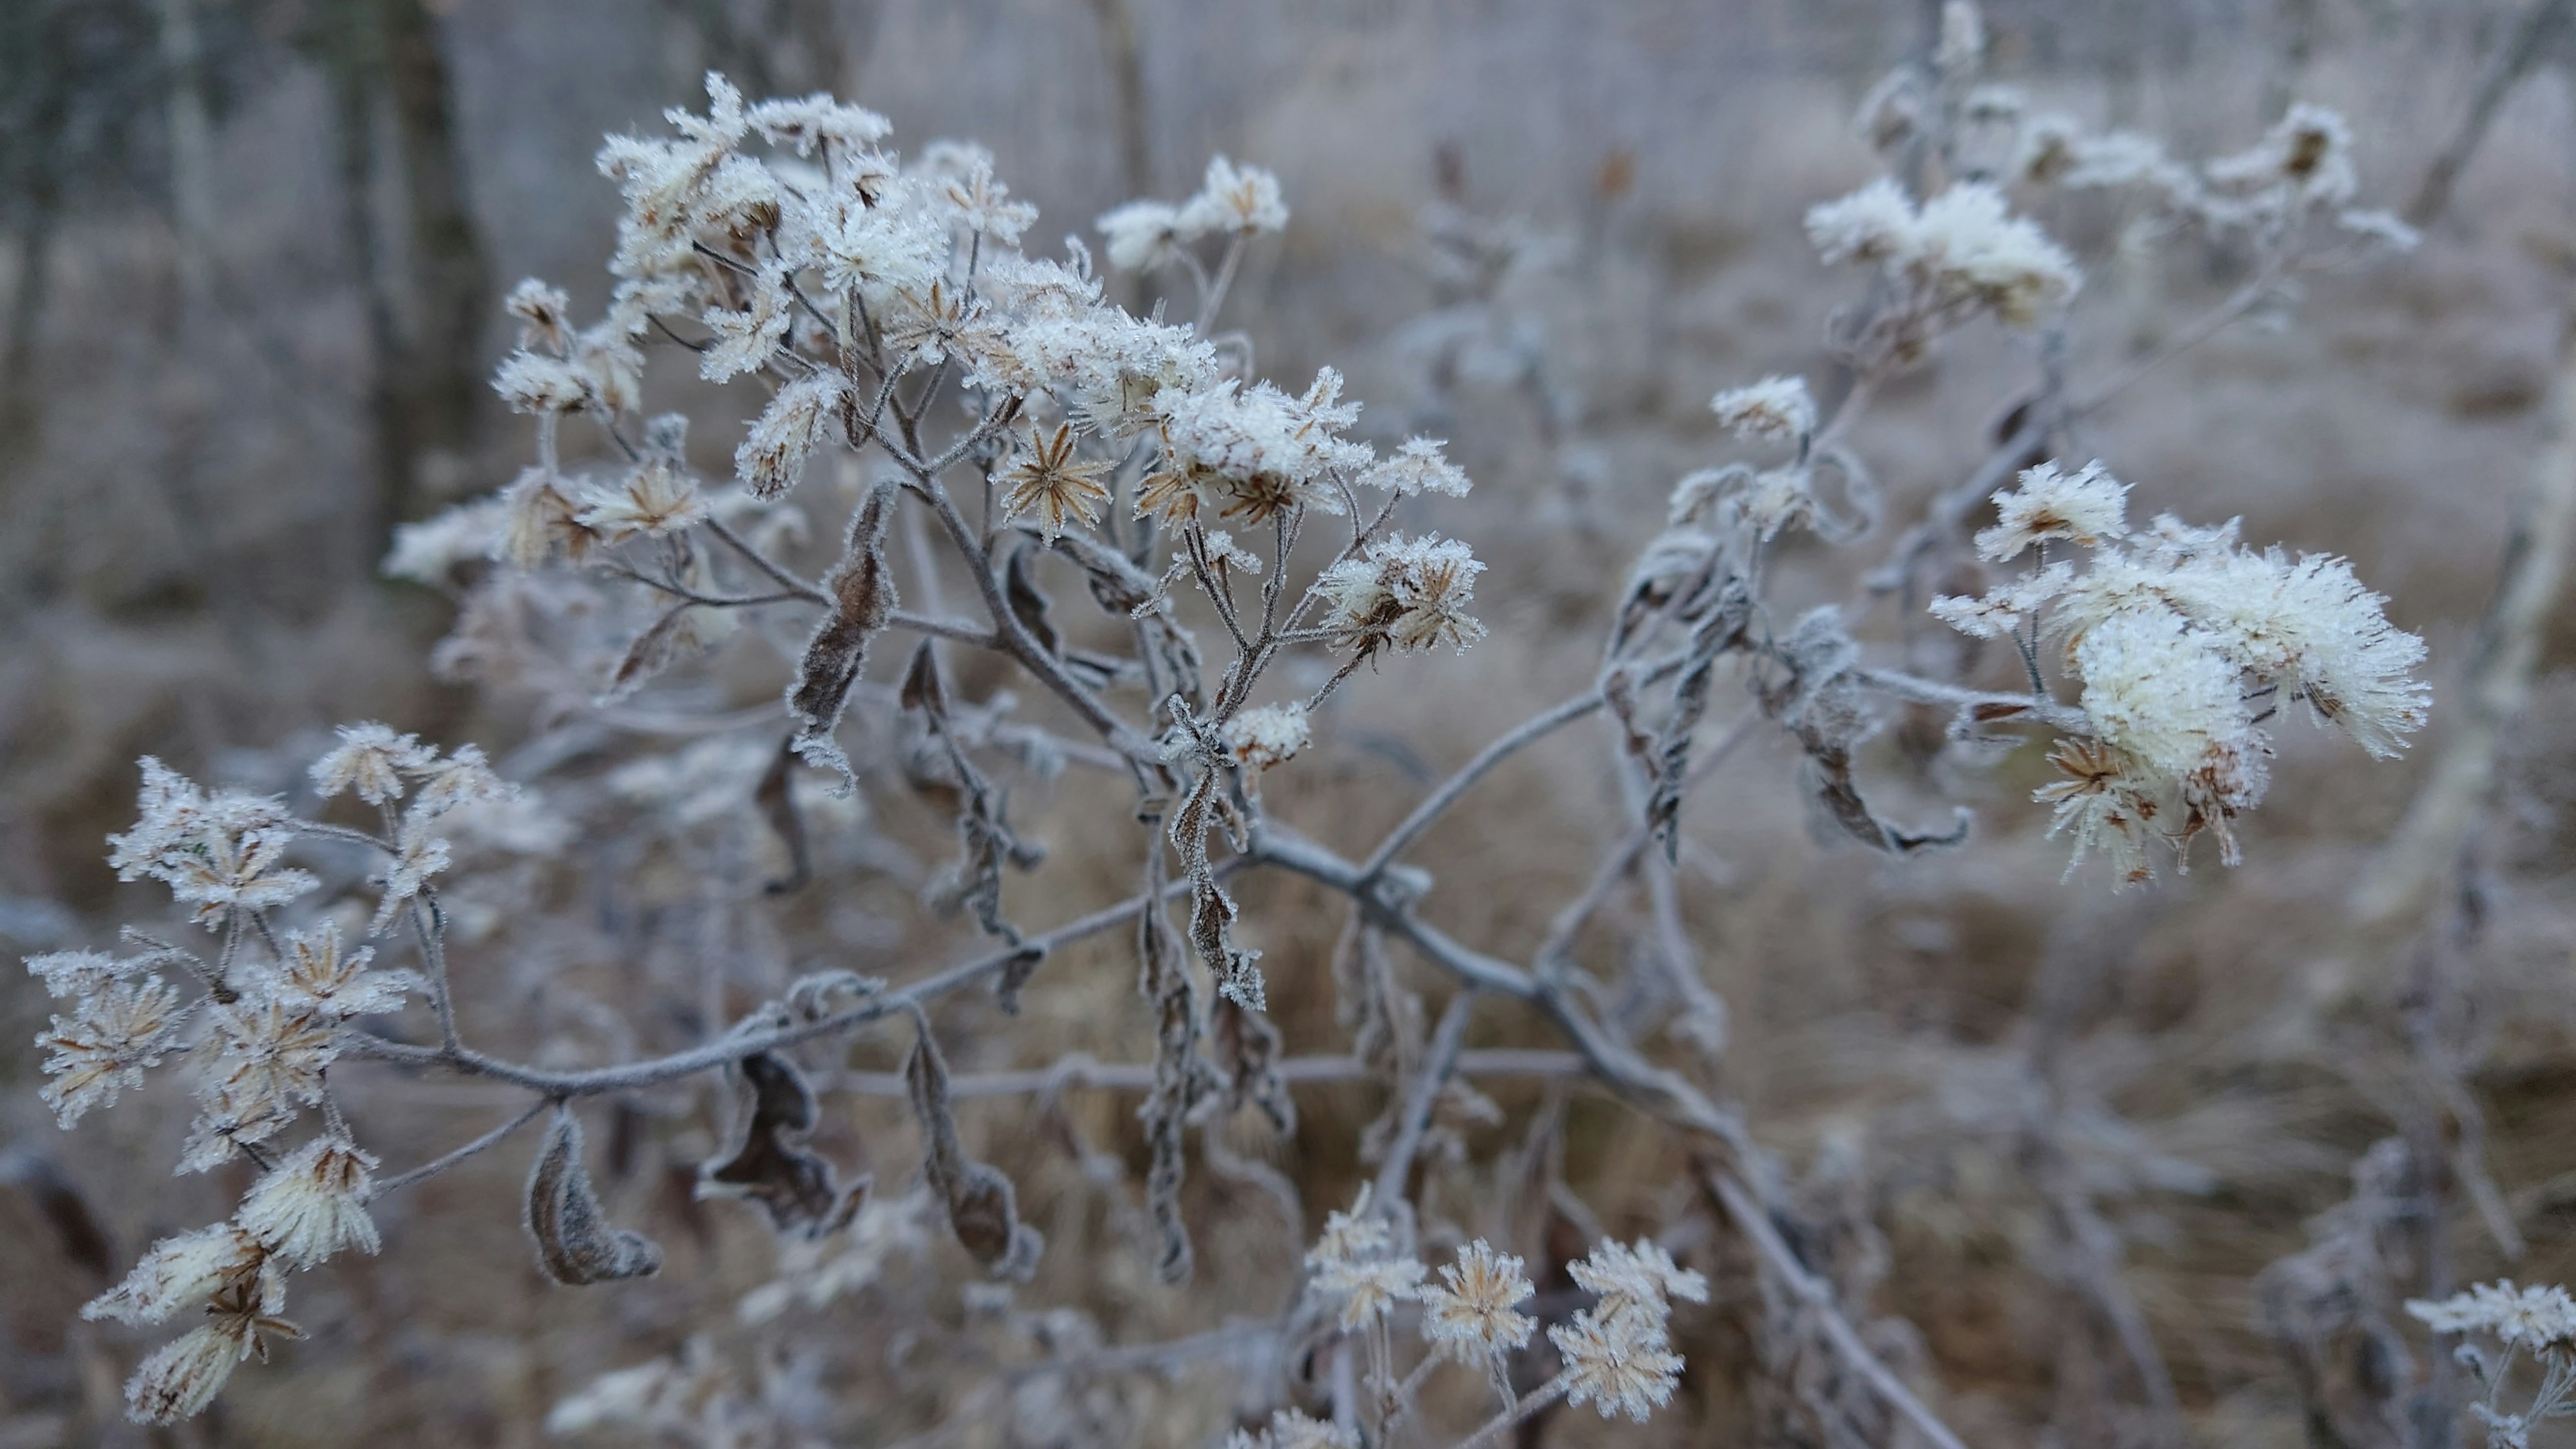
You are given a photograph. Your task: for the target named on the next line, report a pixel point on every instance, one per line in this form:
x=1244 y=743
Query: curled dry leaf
x=575 y=1243
x=863 y=599
x=770 y=1164
x=982 y=1206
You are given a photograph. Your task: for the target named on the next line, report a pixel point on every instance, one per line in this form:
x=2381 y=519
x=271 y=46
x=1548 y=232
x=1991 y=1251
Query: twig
x=1423 y=1096
x=488 y=1140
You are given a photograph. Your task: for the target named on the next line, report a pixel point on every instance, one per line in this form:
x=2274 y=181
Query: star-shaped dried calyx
x=1048 y=478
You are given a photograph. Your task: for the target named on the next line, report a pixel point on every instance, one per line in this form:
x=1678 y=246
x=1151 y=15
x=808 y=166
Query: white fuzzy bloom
x=544 y=313
x=1370 y=1288
x=1271 y=735
x=1350 y=1237
x=1617 y=1360
x=183 y=1376
x=370 y=760
x=1640 y=1274
x=464 y=777
x=320 y=979
x=313 y=1203
x=1471 y=1313
x=178 y=1274
x=1873 y=224
x=816 y=122
x=1411 y=594
x=1973 y=248
x=1415 y=468
x=1143 y=234
x=2303 y=162
x=2156 y=690
x=79 y=973
x=534 y=383
x=1289 y=1429
x=745 y=340
x=895 y=245
x=2007 y=606
x=2085 y=507
x=656 y=497
x=428 y=551
x=772 y=457
x=105 y=1045
x=2531 y=1317
x=418 y=855
x=1961 y=248
x=1233 y=198
x=1774 y=410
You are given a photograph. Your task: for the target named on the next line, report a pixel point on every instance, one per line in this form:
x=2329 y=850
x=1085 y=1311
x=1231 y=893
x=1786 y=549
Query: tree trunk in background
x=425 y=317
x=440 y=376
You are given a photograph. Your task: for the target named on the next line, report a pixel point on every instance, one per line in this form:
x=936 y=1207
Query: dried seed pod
x=770 y=1164
x=863 y=599
x=982 y=1205
x=575 y=1243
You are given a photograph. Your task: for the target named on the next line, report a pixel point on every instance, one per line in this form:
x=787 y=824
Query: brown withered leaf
x=983 y=1208
x=575 y=1243
x=770 y=1163
x=863 y=599
x=1247 y=1051
x=664 y=642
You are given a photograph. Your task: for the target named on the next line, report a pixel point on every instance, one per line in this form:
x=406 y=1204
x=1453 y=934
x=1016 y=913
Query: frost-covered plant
x=2182 y=643
x=2538 y=1320
x=934 y=411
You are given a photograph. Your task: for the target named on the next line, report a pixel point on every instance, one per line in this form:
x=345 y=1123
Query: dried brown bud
x=575 y=1243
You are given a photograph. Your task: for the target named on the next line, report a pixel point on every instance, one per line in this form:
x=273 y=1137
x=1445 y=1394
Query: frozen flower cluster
x=1231 y=200
x=272 y=1009
x=2302 y=169
x=2534 y=1318
x=2537 y=1320
x=1617 y=1353
x=1958 y=253
x=2184 y=644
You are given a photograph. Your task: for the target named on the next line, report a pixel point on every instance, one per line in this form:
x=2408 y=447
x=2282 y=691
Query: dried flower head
x=2085 y=508
x=1641 y=1274
x=1049 y=478
x=184 y=1376
x=1774 y=410
x=1618 y=1361
x=1470 y=1314
x=1408 y=594
x=178 y=1275
x=2534 y=1317
x=319 y=978
x=107 y=1042
x=370 y=760
x=1142 y=234
x=1234 y=198
x=1270 y=735
x=312 y=1203
x=1415 y=468
x=655 y=497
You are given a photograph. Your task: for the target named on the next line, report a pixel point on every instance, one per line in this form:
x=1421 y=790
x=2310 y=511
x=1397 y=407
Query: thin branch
x=1423 y=1096
x=1529 y=732
x=487 y=1141
x=1081 y=1071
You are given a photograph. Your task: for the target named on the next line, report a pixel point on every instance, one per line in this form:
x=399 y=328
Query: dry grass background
x=184 y=571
